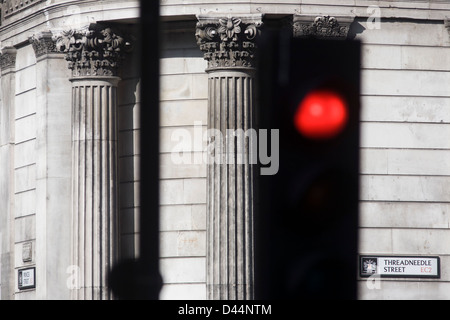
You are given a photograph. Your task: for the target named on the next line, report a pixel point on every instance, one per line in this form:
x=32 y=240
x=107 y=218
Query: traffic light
x=306 y=230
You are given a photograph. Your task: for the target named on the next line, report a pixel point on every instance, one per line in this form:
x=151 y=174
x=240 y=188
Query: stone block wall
x=183 y=186
x=25 y=158
x=405 y=152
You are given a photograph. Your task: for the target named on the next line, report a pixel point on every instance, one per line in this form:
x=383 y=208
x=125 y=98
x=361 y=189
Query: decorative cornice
x=11 y=7
x=8 y=58
x=43 y=43
x=324 y=27
x=228 y=42
x=96 y=50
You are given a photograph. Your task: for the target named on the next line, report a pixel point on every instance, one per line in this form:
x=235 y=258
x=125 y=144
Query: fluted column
x=95 y=207
x=94 y=54
x=229 y=47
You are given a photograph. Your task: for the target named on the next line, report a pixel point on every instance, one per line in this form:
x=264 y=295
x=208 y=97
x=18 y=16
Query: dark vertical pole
x=141 y=279
x=149 y=193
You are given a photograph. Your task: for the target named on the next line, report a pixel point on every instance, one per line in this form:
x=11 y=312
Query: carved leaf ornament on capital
x=321 y=27
x=94 y=51
x=228 y=42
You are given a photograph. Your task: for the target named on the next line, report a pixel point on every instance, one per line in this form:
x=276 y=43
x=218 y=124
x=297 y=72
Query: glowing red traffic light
x=321 y=115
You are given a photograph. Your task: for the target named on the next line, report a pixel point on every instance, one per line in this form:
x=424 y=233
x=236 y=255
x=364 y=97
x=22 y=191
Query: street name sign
x=27 y=278
x=400 y=266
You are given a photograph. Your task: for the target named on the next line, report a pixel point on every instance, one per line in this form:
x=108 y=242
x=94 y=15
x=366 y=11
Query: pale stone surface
x=405 y=57
x=7 y=218
x=405 y=167
x=183 y=217
x=404 y=215
x=404 y=241
x=183 y=138
x=404 y=135
x=409 y=83
x=182 y=87
x=183 y=113
x=53 y=174
x=183 y=244
x=25 y=78
x=405 y=162
x=25 y=128
x=405 y=188
x=183 y=270
x=25 y=104
x=405 y=109
x=25 y=203
x=183 y=119
x=358 y=8
x=25 y=228
x=183 y=291
x=190 y=169
x=405 y=290
x=183 y=191
x=25 y=177
x=405 y=33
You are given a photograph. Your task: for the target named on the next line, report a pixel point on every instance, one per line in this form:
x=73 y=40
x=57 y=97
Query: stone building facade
x=69 y=140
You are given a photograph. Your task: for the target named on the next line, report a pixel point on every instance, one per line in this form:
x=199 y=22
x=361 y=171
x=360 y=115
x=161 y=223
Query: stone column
x=94 y=55
x=229 y=47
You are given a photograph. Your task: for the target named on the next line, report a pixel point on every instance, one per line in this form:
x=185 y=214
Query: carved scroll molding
x=324 y=27
x=228 y=42
x=96 y=50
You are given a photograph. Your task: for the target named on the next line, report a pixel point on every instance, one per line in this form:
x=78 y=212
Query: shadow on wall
x=128 y=144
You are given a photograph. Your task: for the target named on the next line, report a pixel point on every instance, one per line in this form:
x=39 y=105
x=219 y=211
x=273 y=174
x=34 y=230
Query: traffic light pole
x=140 y=279
x=150 y=286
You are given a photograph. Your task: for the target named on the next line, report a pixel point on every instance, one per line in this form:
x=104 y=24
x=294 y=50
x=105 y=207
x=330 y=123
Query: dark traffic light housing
x=307 y=225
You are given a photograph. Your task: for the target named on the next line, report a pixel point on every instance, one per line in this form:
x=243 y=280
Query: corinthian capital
x=228 y=42
x=322 y=26
x=93 y=51
x=43 y=43
x=7 y=58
